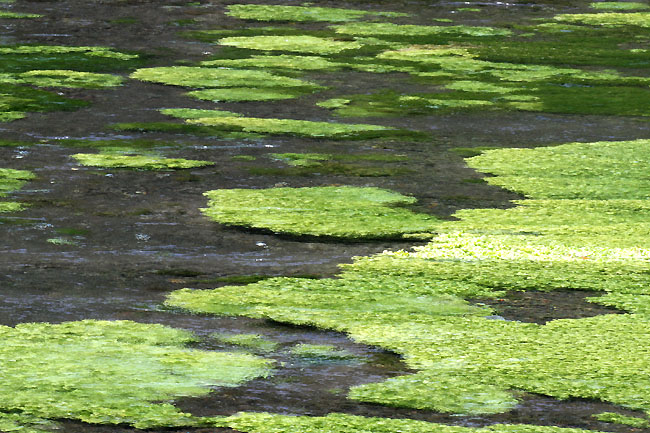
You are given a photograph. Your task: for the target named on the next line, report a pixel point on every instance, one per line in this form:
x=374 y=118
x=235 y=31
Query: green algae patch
x=110 y=373
x=294 y=44
x=201 y=77
x=302 y=13
x=194 y=113
x=179 y=128
x=608 y=19
x=302 y=128
x=418 y=31
x=67 y=78
x=139 y=162
x=253 y=342
x=12 y=180
x=17 y=15
x=284 y=61
x=24 y=58
x=341 y=212
x=16 y=101
x=618 y=418
x=244 y=94
x=619 y=5
x=250 y=422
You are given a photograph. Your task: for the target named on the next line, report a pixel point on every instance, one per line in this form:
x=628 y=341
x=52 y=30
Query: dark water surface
x=140 y=235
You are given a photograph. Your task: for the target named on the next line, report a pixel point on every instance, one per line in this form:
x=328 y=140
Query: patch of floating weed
x=343 y=423
x=343 y=212
x=17 y=15
x=608 y=19
x=405 y=31
x=243 y=158
x=320 y=353
x=62 y=241
x=109 y=373
x=619 y=5
x=296 y=44
x=179 y=128
x=16 y=101
x=253 y=342
x=193 y=113
x=193 y=76
x=303 y=128
x=66 y=78
x=243 y=94
x=12 y=180
x=284 y=61
x=618 y=418
x=302 y=13
x=140 y=162
x=26 y=58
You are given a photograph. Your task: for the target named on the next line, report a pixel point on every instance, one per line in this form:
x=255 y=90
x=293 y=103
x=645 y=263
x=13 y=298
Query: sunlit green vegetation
x=140 y=162
x=301 y=13
x=12 y=180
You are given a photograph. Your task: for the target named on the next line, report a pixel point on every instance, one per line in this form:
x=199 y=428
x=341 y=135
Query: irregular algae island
x=282 y=217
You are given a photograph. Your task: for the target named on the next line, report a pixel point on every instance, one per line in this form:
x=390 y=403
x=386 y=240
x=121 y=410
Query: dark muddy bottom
x=541 y=307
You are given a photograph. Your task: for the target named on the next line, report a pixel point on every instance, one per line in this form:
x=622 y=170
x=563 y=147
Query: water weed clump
x=301 y=13
x=138 y=162
x=341 y=212
x=253 y=342
x=343 y=423
x=63 y=78
x=110 y=373
x=618 y=418
x=619 y=5
x=320 y=353
x=12 y=180
x=280 y=62
x=294 y=44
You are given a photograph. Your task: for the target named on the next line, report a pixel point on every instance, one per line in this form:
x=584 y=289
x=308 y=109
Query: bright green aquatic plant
x=301 y=13
x=303 y=128
x=193 y=113
x=243 y=94
x=16 y=101
x=139 y=162
x=618 y=418
x=202 y=77
x=608 y=19
x=66 y=78
x=294 y=44
x=17 y=15
x=284 y=61
x=343 y=212
x=109 y=373
x=409 y=30
x=253 y=342
x=12 y=180
x=180 y=128
x=619 y=5
x=343 y=423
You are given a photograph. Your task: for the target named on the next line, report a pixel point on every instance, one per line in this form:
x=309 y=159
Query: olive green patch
x=618 y=418
x=302 y=13
x=139 y=162
x=284 y=61
x=253 y=342
x=295 y=44
x=410 y=30
x=12 y=180
x=109 y=373
x=608 y=19
x=342 y=212
x=17 y=15
x=66 y=78
x=320 y=353
x=243 y=94
x=619 y=5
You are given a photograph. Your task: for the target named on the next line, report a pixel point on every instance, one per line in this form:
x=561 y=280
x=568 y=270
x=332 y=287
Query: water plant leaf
x=140 y=162
x=294 y=44
x=619 y=5
x=344 y=212
x=301 y=13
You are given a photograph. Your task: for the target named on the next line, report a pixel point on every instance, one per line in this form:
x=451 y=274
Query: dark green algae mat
x=583 y=223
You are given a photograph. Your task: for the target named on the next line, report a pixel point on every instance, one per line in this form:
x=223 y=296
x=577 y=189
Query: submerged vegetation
x=12 y=180
x=140 y=162
x=341 y=212
x=108 y=373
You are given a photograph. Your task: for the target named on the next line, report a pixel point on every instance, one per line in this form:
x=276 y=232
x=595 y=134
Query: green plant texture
x=109 y=373
x=342 y=423
x=280 y=62
x=17 y=15
x=203 y=77
x=320 y=353
x=618 y=418
x=25 y=58
x=410 y=31
x=342 y=212
x=608 y=19
x=139 y=162
x=301 y=13
x=12 y=180
x=302 y=128
x=293 y=44
x=254 y=342
x=62 y=78
x=584 y=226
x=619 y=5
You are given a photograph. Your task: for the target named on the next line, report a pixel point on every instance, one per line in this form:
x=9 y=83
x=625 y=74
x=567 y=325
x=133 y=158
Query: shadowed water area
x=111 y=243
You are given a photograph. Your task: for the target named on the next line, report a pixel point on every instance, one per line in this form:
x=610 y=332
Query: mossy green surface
x=618 y=418
x=583 y=227
x=294 y=44
x=284 y=61
x=64 y=78
x=16 y=101
x=343 y=212
x=320 y=353
x=303 y=128
x=12 y=180
x=343 y=423
x=24 y=58
x=244 y=94
x=608 y=19
x=179 y=128
x=139 y=162
x=410 y=30
x=203 y=77
x=109 y=373
x=17 y=15
x=619 y=5
x=301 y=13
